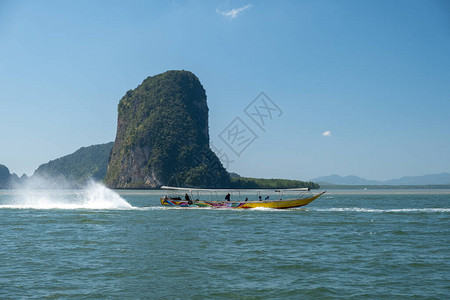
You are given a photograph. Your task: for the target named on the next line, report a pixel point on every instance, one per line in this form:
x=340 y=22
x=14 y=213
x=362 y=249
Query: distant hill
x=6 y=178
x=347 y=180
x=80 y=166
x=437 y=179
x=238 y=182
x=432 y=179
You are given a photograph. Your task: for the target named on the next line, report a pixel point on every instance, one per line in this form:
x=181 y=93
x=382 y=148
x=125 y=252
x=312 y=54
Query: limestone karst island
x=162 y=139
x=162 y=136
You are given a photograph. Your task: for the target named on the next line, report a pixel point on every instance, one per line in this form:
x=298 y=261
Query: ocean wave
x=376 y=210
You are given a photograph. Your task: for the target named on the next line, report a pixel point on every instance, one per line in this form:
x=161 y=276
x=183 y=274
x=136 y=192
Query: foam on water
x=374 y=210
x=93 y=196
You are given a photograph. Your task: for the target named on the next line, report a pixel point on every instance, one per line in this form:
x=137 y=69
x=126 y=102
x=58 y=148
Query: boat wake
x=94 y=196
x=375 y=210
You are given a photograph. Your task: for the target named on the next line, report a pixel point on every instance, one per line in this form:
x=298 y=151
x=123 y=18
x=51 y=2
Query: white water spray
x=93 y=196
x=97 y=196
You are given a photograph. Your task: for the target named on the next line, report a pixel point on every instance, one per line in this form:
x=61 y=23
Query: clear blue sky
x=374 y=74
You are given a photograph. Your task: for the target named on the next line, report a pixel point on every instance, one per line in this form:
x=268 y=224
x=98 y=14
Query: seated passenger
x=227 y=197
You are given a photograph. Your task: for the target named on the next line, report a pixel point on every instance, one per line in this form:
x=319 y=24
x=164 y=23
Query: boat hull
x=276 y=204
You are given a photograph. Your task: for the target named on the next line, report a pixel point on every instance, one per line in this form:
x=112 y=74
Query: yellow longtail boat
x=192 y=199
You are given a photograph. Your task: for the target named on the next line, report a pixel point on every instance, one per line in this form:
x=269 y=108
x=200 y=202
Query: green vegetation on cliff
x=261 y=183
x=162 y=136
x=84 y=164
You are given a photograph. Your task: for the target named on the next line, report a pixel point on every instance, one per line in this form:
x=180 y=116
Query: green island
x=77 y=168
x=273 y=183
x=162 y=139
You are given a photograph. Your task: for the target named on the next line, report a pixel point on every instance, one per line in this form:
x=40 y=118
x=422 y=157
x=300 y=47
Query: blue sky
x=374 y=74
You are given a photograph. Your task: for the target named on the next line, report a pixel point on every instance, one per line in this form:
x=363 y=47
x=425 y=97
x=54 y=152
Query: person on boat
x=186 y=197
x=260 y=198
x=227 y=197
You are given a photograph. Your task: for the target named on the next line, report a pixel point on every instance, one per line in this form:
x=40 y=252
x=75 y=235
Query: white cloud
x=234 y=12
x=327 y=133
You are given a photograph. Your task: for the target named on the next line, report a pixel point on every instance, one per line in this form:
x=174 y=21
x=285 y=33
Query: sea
x=98 y=243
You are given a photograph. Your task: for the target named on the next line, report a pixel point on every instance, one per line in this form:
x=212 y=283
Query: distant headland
x=352 y=181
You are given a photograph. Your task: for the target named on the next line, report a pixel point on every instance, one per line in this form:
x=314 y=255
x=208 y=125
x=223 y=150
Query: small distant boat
x=303 y=198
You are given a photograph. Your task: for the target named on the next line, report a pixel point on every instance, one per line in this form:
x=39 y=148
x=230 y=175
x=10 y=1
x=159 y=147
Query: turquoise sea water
x=347 y=244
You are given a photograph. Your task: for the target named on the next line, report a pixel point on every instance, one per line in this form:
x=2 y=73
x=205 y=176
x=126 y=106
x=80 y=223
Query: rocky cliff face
x=162 y=136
